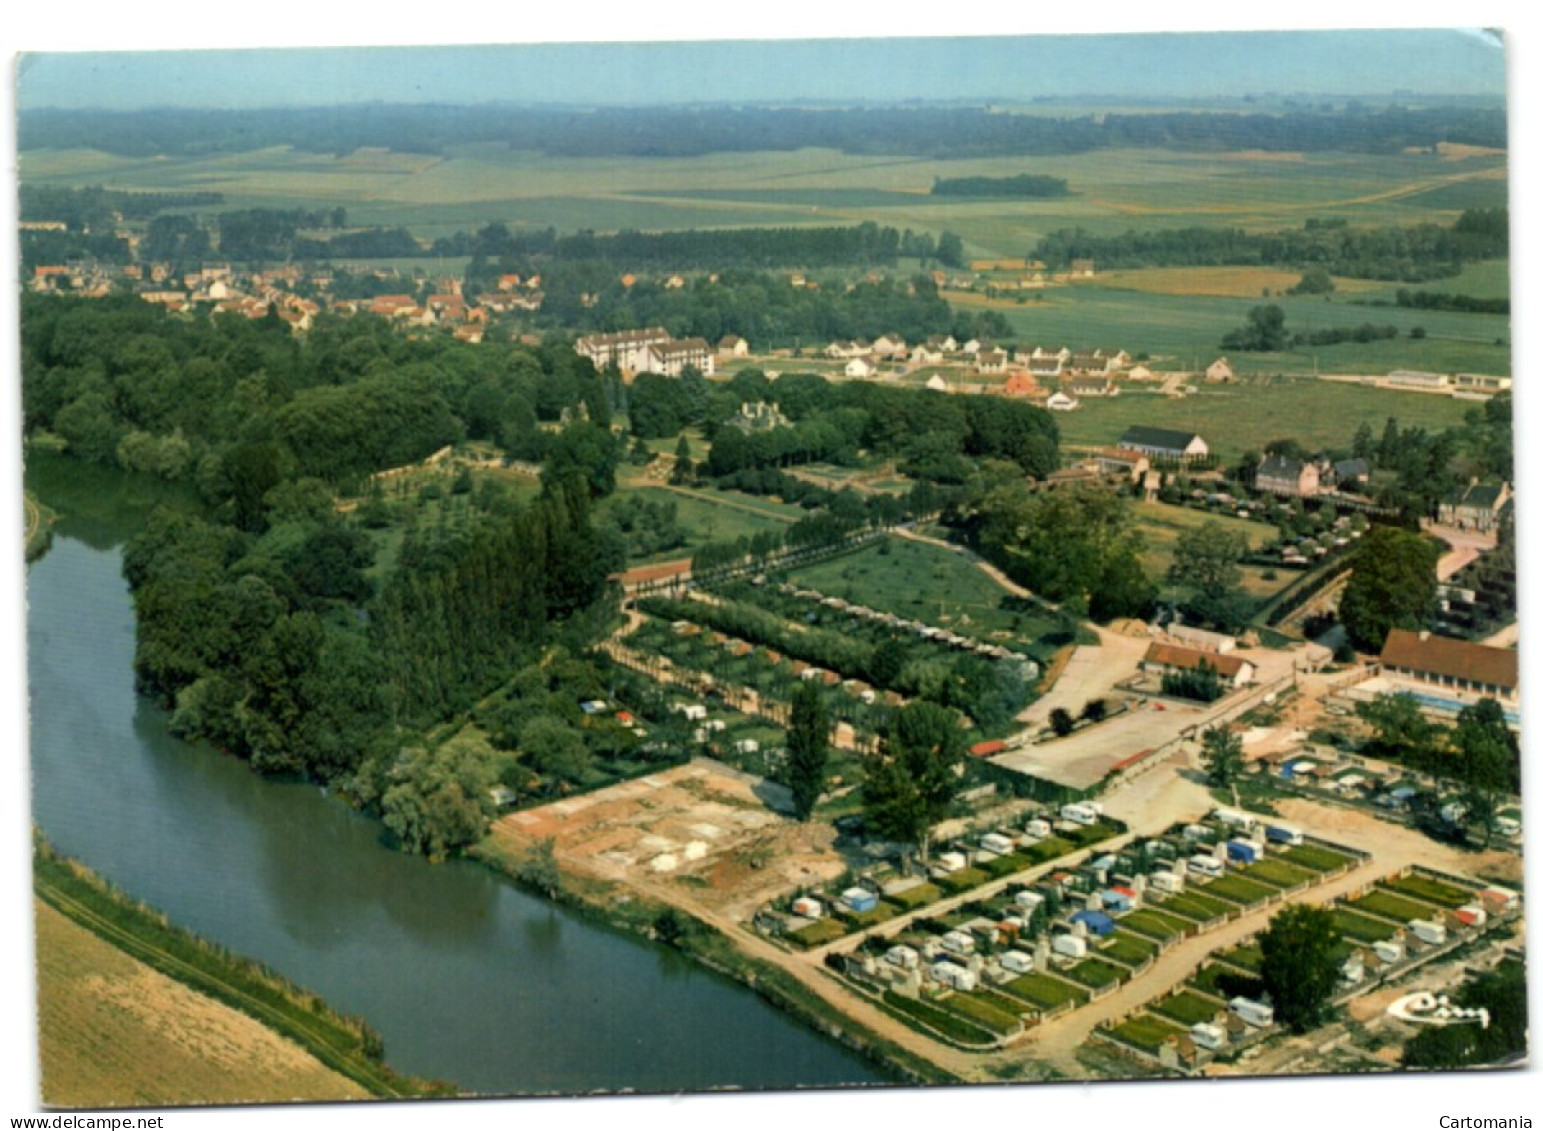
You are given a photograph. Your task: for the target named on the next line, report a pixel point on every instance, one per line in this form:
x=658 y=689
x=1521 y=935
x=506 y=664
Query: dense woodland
x=1414 y=253
x=762 y=309
x=1023 y=185
x=929 y=131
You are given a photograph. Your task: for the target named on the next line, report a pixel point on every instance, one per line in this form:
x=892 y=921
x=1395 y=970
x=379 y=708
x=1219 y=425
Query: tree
x=1221 y=754
x=554 y=749
x=538 y=868
x=1314 y=281
x=1400 y=731
x=808 y=749
x=1393 y=586
x=1095 y=710
x=1206 y=561
x=1061 y=722
x=1298 y=967
x=1265 y=331
x=912 y=783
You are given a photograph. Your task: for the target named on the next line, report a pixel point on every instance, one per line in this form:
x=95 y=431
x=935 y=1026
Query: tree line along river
x=466 y=978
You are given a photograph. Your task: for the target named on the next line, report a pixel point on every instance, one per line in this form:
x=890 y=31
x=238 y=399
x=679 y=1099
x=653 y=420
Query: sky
x=1002 y=68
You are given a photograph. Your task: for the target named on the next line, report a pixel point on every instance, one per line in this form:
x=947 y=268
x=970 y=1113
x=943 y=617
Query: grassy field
x=1238 y=418
x=1225 y=282
x=1163 y=524
x=922 y=582
x=1112 y=190
x=113 y=1032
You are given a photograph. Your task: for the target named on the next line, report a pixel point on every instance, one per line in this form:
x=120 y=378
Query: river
x=466 y=978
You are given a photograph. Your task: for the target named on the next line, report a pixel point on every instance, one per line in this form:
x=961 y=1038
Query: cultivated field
x=1184 y=331
x=113 y=1032
x=920 y=581
x=1112 y=190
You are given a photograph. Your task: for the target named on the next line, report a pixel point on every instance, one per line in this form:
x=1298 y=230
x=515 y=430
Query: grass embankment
x=639 y=915
x=346 y=1045
x=40 y=526
x=114 y=1033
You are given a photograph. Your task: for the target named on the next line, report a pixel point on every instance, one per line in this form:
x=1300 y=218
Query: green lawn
x=1250 y=958
x=1277 y=873
x=1361 y=928
x=1429 y=890
x=962 y=880
x=1097 y=973
x=1316 y=858
x=943 y=1021
x=1146 y=1031
x=1391 y=906
x=1194 y=905
x=1154 y=923
x=1239 y=890
x=1130 y=949
x=1045 y=992
x=980 y=1012
x=820 y=931
x=1188 y=1008
x=912 y=898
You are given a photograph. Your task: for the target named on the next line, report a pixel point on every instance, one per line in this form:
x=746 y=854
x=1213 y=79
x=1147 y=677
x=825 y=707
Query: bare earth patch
x=112 y=1032
x=698 y=827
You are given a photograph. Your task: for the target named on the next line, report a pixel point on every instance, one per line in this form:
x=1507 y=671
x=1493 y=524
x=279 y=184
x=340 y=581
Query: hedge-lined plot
x=1431 y=891
x=1130 y=949
x=1240 y=890
x=1279 y=873
x=1045 y=992
x=1361 y=928
x=1154 y=924
x=1193 y=905
x=1097 y=973
x=1146 y=1032
x=1188 y=1008
x=1316 y=857
x=1391 y=906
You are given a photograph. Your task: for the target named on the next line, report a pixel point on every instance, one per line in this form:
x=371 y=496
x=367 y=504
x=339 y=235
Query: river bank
x=658 y=922
x=346 y=1047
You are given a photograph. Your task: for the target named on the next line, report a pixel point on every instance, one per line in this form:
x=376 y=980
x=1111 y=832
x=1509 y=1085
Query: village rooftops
x=1449 y=662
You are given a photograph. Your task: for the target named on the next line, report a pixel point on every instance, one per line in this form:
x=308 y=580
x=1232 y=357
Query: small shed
x=860 y=899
